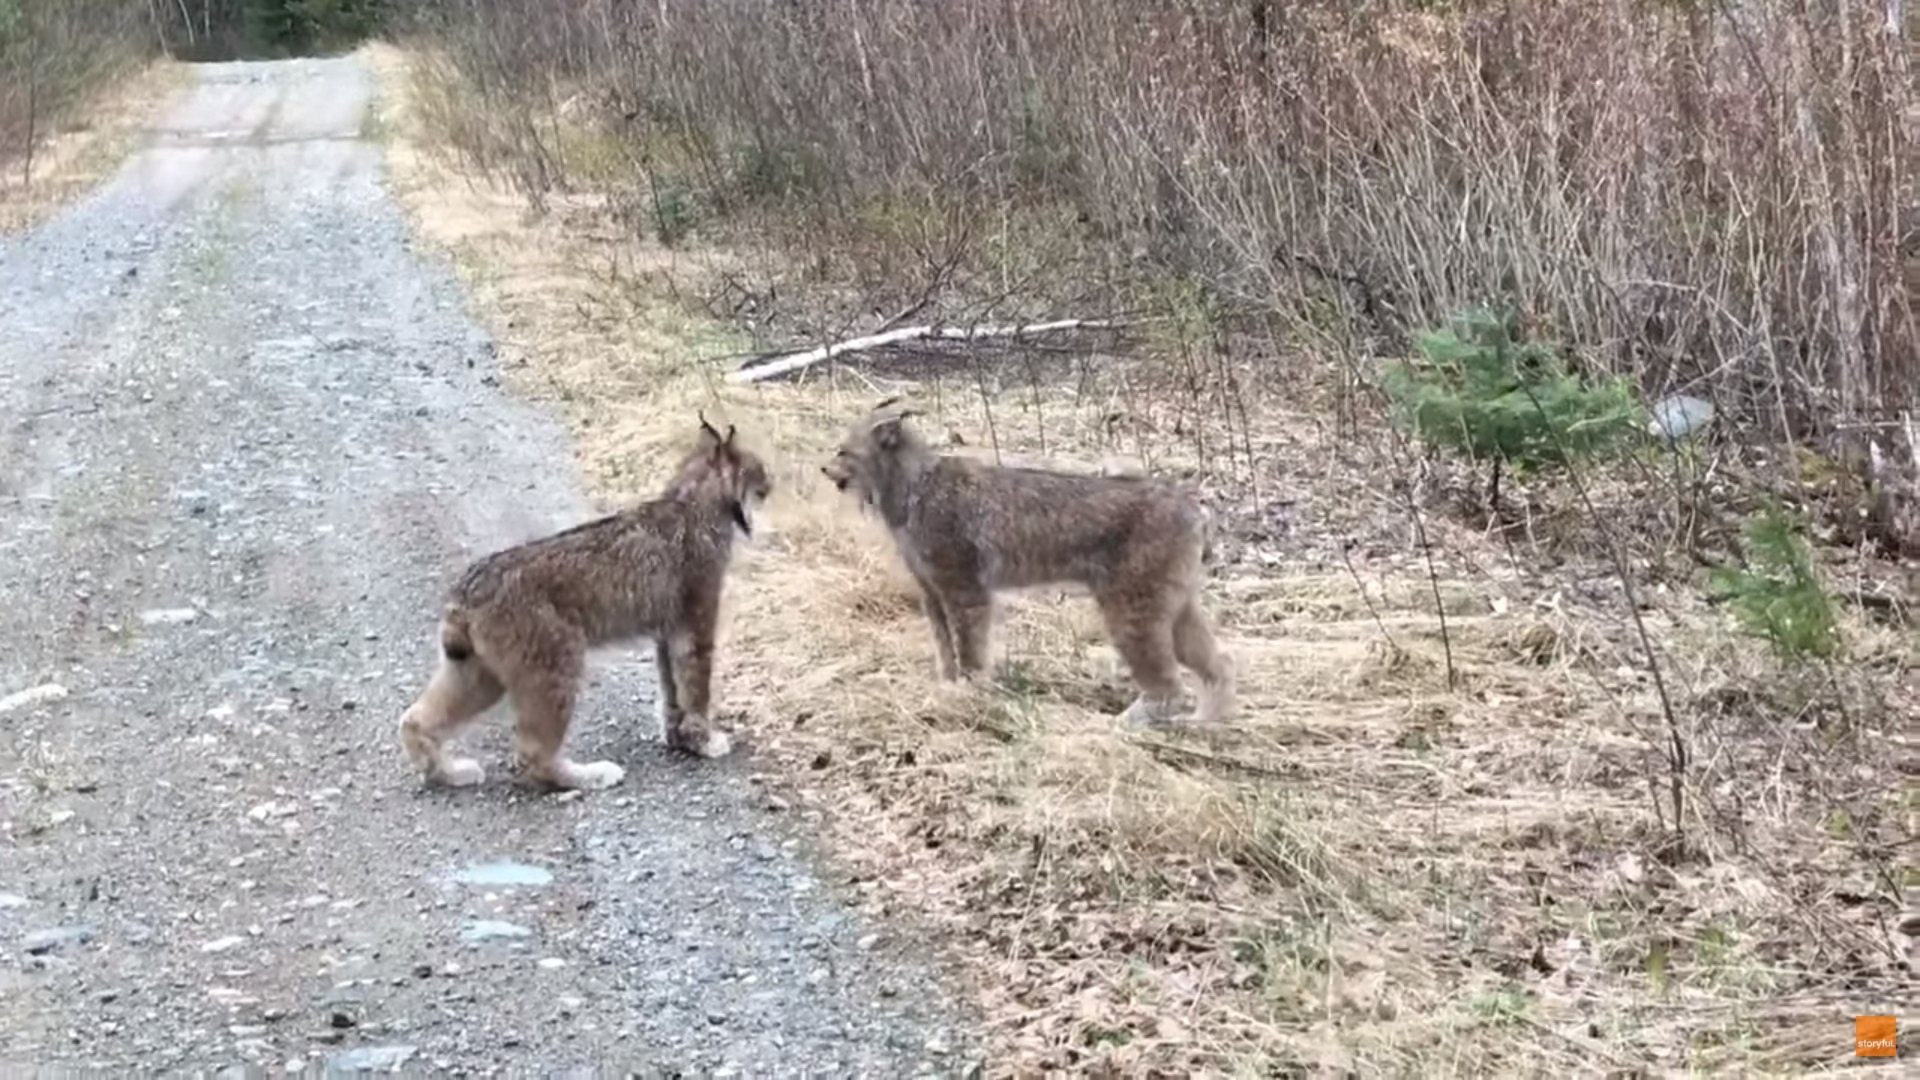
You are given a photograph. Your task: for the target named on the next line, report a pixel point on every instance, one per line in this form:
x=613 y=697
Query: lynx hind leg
x=459 y=691
x=1142 y=632
x=1194 y=646
x=545 y=687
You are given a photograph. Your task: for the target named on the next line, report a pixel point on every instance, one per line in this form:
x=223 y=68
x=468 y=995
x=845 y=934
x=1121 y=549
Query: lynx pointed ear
x=708 y=431
x=887 y=433
x=887 y=404
x=729 y=440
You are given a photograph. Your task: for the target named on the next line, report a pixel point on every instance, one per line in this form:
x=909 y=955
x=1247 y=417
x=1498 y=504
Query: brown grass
x=1370 y=870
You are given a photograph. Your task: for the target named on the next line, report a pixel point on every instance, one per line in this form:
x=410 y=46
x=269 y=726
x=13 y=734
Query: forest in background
x=56 y=54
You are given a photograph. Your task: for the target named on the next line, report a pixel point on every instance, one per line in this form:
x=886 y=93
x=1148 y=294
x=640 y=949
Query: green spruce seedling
x=1477 y=389
x=1776 y=594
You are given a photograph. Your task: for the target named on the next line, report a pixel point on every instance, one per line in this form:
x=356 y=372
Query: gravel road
x=247 y=437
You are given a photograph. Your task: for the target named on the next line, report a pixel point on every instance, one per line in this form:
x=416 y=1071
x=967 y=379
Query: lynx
x=967 y=530
x=520 y=621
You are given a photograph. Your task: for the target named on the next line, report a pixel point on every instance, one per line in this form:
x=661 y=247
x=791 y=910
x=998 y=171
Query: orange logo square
x=1873 y=1036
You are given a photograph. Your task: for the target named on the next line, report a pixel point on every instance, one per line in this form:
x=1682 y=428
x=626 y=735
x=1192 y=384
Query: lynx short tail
x=454 y=639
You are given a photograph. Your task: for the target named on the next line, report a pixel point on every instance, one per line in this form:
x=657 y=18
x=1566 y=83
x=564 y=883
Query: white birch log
x=795 y=361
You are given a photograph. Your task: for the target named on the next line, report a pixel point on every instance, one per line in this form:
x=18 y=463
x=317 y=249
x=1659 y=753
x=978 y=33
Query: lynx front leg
x=946 y=663
x=693 y=674
x=666 y=698
x=969 y=612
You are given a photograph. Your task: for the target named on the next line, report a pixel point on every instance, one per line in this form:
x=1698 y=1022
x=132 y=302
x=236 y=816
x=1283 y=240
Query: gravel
x=248 y=438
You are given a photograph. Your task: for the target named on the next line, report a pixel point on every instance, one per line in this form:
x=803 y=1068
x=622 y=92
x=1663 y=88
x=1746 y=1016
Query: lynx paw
x=459 y=772
x=592 y=775
x=713 y=744
x=1145 y=712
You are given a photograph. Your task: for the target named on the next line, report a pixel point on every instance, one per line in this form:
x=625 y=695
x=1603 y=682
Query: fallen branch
x=780 y=365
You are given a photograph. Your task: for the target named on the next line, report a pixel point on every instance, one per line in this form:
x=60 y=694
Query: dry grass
x=89 y=147
x=1370 y=870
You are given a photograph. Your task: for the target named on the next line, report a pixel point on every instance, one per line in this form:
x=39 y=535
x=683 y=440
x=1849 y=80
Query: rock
x=371 y=1059
x=503 y=873
x=223 y=944
x=477 y=931
x=342 y=1019
x=31 y=696
x=169 y=616
x=42 y=942
x=552 y=963
x=9 y=901
x=866 y=943
x=1679 y=415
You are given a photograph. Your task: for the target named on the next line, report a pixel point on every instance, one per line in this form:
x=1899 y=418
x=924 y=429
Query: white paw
x=1216 y=707
x=715 y=744
x=1146 y=713
x=461 y=772
x=595 y=775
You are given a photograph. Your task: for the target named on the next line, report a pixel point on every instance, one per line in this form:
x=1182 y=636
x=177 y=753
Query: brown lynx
x=520 y=621
x=967 y=529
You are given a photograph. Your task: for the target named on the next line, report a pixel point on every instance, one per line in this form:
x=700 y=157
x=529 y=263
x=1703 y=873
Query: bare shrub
x=52 y=58
x=1701 y=195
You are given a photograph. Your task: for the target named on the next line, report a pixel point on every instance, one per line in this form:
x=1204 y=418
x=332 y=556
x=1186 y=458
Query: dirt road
x=246 y=438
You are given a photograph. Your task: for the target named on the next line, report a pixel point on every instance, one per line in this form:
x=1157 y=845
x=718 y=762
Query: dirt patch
x=1430 y=843
x=89 y=148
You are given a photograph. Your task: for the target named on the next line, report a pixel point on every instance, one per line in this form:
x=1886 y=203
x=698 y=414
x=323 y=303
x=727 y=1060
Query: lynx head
x=721 y=468
x=876 y=452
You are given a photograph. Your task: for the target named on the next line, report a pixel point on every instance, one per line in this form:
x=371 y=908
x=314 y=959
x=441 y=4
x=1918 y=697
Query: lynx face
x=749 y=484
x=738 y=474
x=869 y=452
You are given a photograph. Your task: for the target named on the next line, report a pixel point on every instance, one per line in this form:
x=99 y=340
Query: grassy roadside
x=1373 y=869
x=89 y=147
